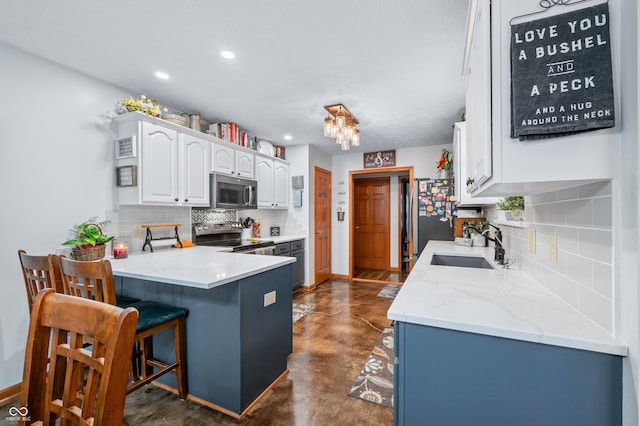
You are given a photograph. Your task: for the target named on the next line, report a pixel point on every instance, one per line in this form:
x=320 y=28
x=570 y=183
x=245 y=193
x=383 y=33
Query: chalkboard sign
x=377 y=159
x=561 y=79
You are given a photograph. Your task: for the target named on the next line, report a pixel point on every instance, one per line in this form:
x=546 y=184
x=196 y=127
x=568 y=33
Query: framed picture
x=126 y=147
x=127 y=176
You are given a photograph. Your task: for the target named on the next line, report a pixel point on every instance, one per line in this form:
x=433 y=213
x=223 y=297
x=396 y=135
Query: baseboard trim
x=10 y=392
x=366 y=280
x=340 y=277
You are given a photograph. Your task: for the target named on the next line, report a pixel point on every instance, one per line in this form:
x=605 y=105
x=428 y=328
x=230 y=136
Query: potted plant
x=478 y=229
x=89 y=242
x=444 y=164
x=513 y=207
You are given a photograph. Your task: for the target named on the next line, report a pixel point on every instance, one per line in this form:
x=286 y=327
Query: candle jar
x=120 y=250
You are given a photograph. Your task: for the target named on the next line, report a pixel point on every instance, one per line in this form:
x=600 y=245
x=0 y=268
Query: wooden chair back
x=79 y=386
x=91 y=280
x=39 y=273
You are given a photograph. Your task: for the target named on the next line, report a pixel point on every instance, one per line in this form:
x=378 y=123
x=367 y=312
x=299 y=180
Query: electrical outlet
x=269 y=298
x=137 y=231
x=532 y=240
x=553 y=247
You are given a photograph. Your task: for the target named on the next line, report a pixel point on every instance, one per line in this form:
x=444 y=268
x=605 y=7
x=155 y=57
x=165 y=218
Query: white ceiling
x=395 y=64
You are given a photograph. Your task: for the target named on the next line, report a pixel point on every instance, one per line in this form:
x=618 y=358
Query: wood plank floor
x=330 y=346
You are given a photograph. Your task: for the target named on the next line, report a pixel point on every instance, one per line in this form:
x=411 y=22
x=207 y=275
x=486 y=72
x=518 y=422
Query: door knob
x=357 y=227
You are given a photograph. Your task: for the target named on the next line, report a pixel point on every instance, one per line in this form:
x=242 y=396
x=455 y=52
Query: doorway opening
x=380 y=237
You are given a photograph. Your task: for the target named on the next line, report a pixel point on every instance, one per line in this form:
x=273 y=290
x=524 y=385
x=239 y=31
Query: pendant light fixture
x=341 y=125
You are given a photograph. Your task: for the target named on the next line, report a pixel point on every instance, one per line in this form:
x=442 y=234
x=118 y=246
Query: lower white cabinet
x=273 y=180
x=171 y=167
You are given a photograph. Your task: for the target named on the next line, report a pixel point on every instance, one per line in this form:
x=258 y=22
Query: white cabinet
x=460 y=173
x=273 y=180
x=500 y=165
x=477 y=70
x=172 y=166
x=231 y=161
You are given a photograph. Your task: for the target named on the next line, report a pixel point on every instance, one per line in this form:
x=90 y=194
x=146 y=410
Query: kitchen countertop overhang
x=496 y=302
x=199 y=266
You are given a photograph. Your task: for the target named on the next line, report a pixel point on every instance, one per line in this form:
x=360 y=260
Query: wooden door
x=371 y=220
x=322 y=225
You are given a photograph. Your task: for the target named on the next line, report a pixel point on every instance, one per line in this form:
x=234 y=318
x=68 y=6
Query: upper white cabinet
x=171 y=167
x=231 y=161
x=460 y=173
x=273 y=180
x=499 y=165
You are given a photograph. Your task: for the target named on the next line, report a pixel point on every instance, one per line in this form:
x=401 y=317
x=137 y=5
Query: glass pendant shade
x=334 y=130
x=348 y=132
x=355 y=139
x=345 y=145
x=328 y=125
x=340 y=137
x=340 y=122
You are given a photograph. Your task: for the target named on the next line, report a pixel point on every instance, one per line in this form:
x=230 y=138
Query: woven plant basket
x=89 y=253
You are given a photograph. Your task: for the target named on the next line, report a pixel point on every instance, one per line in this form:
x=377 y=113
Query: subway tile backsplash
x=582 y=219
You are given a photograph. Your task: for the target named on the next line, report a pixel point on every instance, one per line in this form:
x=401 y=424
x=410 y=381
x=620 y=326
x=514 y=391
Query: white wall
x=423 y=159
x=56 y=169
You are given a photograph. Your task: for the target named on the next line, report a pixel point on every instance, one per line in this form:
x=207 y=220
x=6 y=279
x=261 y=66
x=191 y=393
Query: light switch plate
x=532 y=240
x=269 y=298
x=553 y=247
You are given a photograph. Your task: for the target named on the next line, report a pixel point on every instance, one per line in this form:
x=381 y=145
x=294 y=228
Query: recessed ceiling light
x=162 y=75
x=227 y=55
x=288 y=137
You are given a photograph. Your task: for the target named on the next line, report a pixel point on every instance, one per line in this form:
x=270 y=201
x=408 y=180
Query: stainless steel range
x=228 y=234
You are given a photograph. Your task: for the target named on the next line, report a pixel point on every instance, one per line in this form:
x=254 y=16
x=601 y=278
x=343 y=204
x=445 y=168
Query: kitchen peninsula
x=494 y=346
x=239 y=327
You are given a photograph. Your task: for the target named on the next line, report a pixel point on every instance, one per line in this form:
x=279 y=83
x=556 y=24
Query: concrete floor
x=330 y=346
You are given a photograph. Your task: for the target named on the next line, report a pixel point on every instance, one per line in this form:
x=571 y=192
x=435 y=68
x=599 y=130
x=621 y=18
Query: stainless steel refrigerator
x=432 y=212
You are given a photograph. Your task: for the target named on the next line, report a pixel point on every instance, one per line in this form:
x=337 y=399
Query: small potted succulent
x=89 y=240
x=478 y=229
x=513 y=207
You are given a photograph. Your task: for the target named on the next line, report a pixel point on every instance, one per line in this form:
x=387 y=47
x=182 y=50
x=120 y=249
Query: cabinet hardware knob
x=186 y=200
x=176 y=200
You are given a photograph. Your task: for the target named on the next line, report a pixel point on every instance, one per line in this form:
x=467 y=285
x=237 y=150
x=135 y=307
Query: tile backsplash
x=127 y=219
x=581 y=218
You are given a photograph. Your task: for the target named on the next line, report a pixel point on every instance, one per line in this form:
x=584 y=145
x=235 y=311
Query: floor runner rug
x=375 y=381
x=390 y=291
x=300 y=310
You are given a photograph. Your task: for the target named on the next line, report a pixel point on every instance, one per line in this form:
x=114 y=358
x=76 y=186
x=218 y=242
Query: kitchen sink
x=462 y=261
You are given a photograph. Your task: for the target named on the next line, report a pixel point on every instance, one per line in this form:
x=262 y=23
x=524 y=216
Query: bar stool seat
x=153 y=314
x=125 y=301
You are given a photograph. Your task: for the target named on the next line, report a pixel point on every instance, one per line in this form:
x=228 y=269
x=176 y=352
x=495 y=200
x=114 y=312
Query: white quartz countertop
x=198 y=266
x=496 y=302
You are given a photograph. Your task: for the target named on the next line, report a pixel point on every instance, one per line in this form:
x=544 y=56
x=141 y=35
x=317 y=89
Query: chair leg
x=147 y=354
x=181 y=370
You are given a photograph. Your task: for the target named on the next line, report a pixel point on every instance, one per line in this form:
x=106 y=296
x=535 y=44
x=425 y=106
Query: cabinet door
x=244 y=164
x=298 y=268
x=222 y=159
x=460 y=170
x=281 y=185
x=478 y=97
x=194 y=173
x=264 y=176
x=159 y=165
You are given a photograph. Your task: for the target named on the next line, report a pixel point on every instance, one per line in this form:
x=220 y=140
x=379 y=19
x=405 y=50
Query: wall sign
x=127 y=176
x=377 y=159
x=561 y=79
x=126 y=147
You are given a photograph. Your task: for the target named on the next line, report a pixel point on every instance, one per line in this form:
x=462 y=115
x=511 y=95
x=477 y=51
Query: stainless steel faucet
x=499 y=252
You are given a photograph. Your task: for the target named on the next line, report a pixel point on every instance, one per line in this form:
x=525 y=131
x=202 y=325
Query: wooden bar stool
x=94 y=280
x=62 y=379
x=39 y=274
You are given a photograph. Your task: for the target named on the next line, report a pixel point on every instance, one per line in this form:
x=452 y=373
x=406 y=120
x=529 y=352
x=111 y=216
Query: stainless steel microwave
x=233 y=193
